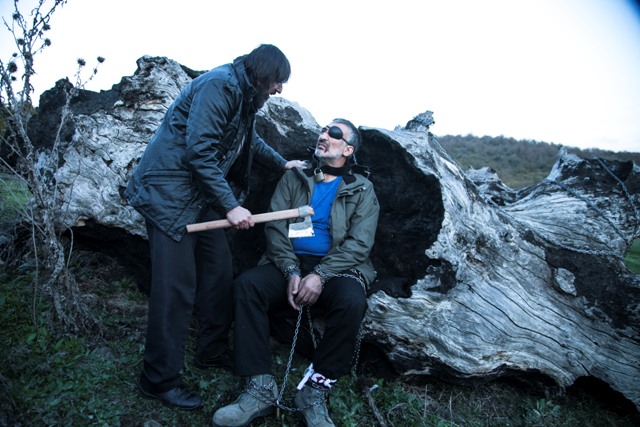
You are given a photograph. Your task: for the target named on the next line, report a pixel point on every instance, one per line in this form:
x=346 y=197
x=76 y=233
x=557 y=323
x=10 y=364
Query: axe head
x=301 y=229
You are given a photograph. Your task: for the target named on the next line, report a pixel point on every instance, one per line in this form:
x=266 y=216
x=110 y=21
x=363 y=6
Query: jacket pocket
x=165 y=194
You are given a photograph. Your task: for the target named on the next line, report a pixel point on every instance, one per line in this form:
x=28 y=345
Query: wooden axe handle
x=258 y=218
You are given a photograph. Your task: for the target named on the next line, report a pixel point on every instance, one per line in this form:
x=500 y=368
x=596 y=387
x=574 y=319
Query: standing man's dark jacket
x=178 y=176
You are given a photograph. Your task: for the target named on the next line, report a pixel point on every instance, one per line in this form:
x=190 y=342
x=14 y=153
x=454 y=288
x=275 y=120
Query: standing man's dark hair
x=267 y=64
x=182 y=178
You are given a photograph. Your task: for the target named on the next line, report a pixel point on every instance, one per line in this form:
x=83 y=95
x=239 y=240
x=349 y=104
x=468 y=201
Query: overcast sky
x=558 y=71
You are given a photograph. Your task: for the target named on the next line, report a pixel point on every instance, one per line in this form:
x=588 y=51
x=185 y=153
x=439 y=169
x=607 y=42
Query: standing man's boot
x=312 y=401
x=255 y=401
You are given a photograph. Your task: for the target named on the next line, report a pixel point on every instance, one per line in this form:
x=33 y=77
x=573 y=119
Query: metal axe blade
x=301 y=229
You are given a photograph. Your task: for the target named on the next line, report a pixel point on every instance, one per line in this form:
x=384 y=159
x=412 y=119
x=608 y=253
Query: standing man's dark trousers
x=193 y=274
x=262 y=291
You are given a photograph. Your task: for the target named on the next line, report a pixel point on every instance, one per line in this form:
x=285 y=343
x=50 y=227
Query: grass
x=13 y=196
x=52 y=379
x=632 y=260
x=48 y=379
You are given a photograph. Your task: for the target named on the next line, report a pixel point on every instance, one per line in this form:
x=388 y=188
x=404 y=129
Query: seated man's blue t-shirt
x=323 y=195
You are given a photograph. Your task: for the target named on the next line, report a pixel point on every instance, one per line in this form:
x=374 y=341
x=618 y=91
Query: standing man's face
x=264 y=93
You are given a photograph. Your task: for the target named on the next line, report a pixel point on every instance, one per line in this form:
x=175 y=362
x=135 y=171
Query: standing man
x=205 y=144
x=327 y=273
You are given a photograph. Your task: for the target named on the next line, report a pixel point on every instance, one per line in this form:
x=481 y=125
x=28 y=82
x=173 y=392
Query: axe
x=297 y=229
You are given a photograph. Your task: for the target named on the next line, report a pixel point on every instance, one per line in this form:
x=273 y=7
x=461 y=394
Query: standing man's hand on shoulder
x=240 y=218
x=296 y=164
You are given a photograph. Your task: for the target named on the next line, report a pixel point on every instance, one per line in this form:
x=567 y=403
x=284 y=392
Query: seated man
x=329 y=272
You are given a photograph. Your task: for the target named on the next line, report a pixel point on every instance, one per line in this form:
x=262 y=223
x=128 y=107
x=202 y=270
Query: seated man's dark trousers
x=262 y=291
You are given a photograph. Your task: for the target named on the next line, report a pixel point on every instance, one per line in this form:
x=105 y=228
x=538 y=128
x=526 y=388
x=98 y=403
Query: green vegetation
x=13 y=197
x=33 y=162
x=54 y=373
x=519 y=163
x=54 y=379
x=632 y=260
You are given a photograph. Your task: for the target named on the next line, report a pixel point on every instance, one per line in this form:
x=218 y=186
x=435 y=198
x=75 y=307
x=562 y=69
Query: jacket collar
x=347 y=172
x=248 y=90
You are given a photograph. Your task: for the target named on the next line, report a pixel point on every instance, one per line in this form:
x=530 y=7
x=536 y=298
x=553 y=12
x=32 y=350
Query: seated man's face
x=332 y=145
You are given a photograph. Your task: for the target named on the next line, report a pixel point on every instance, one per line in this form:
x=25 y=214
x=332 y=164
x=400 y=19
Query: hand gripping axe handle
x=300 y=229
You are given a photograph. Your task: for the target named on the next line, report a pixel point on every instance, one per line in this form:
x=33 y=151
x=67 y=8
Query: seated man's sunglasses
x=334 y=132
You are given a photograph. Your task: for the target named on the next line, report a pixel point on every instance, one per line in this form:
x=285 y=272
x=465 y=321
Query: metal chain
x=355 y=275
x=279 y=402
x=312 y=331
x=263 y=393
x=356 y=353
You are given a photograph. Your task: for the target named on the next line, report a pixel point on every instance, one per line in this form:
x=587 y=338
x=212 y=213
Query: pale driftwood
x=476 y=280
x=537 y=285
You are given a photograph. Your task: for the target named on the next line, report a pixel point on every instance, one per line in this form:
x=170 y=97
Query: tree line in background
x=518 y=163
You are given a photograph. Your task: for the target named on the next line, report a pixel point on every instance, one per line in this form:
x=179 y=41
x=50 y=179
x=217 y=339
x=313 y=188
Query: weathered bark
x=476 y=280
x=536 y=285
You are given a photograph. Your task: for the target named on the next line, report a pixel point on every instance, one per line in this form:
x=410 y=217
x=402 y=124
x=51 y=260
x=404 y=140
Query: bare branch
x=36 y=166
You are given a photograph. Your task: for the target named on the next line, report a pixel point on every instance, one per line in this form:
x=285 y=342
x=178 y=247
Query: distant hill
x=519 y=163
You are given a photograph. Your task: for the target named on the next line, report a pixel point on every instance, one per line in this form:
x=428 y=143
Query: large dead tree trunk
x=536 y=284
x=476 y=280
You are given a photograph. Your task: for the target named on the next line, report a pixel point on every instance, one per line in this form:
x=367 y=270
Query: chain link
x=311 y=329
x=264 y=394
x=357 y=276
x=353 y=274
x=279 y=403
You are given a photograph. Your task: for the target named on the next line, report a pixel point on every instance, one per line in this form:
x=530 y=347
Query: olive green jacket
x=354 y=218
